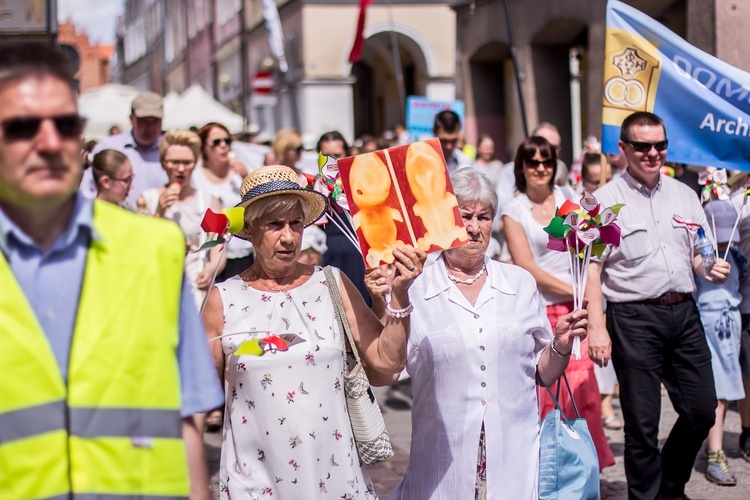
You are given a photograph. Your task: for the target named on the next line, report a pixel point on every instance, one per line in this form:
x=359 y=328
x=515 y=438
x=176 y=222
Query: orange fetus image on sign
x=369 y=188
x=434 y=204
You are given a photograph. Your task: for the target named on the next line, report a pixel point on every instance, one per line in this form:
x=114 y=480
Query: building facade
x=167 y=45
x=547 y=34
x=94 y=68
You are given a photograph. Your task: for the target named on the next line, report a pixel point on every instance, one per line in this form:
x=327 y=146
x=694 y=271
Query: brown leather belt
x=669 y=299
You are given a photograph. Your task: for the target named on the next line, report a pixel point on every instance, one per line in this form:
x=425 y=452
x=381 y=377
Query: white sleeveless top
x=286 y=430
x=188 y=215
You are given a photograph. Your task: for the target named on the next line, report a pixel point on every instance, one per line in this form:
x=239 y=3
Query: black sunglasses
x=645 y=147
x=549 y=163
x=24 y=128
x=225 y=140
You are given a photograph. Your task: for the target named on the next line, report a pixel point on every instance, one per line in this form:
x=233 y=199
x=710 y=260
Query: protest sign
x=401 y=196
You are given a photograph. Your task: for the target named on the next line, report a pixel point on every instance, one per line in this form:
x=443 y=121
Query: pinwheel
x=582 y=230
x=259 y=346
x=220 y=228
x=328 y=183
x=714 y=185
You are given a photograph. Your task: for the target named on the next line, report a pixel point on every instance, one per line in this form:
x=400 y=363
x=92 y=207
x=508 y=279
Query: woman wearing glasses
x=220 y=175
x=524 y=219
x=113 y=175
x=287 y=148
x=180 y=202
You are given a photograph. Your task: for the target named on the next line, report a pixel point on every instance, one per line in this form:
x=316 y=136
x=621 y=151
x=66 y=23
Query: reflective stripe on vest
x=122 y=404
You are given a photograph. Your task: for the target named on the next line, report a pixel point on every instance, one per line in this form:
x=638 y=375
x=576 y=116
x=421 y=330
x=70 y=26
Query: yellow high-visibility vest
x=115 y=427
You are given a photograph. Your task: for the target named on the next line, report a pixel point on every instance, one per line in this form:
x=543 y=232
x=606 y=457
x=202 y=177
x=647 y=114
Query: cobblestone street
x=396 y=404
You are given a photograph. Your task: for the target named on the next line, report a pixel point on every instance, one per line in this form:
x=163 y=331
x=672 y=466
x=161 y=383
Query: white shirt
x=228 y=193
x=471 y=365
x=556 y=264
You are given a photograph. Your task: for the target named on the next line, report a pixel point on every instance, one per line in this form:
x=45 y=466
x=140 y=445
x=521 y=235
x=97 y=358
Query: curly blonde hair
x=180 y=138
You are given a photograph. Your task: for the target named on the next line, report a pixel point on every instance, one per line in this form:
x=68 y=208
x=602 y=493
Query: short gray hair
x=473 y=186
x=278 y=203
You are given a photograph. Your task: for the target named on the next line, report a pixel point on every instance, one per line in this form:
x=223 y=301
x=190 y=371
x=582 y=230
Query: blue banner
x=704 y=102
x=420 y=115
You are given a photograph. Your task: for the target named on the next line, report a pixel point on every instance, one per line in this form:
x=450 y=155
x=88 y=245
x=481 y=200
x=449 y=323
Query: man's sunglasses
x=226 y=140
x=645 y=147
x=534 y=164
x=24 y=128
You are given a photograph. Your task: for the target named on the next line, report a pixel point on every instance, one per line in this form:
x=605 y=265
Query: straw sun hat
x=277 y=179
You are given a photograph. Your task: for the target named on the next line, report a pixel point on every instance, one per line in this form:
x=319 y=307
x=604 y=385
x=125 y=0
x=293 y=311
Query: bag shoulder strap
x=555 y=400
x=338 y=309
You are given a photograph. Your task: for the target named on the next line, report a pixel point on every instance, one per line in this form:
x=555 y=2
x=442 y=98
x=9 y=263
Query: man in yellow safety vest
x=102 y=353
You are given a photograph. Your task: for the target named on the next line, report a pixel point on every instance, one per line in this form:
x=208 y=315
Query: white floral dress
x=286 y=431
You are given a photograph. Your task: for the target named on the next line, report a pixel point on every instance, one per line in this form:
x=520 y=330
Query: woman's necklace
x=544 y=206
x=469 y=281
x=274 y=290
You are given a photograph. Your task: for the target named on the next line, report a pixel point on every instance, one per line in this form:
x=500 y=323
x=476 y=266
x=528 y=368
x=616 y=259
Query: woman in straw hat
x=286 y=429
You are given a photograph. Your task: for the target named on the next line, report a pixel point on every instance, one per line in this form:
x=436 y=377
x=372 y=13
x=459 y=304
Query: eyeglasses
x=25 y=128
x=177 y=163
x=127 y=180
x=226 y=140
x=645 y=147
x=589 y=181
x=534 y=164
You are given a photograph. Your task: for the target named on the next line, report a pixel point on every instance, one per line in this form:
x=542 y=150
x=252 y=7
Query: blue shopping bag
x=568 y=463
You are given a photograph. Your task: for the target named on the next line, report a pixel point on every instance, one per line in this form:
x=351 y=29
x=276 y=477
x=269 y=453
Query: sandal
x=214 y=420
x=612 y=423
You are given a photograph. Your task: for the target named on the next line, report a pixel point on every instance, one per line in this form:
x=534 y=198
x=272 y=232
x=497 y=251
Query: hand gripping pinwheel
x=582 y=230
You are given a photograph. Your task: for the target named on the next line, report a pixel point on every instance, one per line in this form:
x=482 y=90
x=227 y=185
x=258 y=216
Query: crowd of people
x=121 y=342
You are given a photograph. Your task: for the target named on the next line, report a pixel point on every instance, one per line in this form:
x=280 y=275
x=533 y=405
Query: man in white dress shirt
x=140 y=145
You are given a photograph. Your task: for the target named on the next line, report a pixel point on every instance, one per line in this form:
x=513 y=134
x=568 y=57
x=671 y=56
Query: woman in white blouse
x=480 y=337
x=524 y=220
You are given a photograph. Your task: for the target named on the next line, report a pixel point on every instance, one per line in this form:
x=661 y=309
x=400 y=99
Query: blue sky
x=97 y=17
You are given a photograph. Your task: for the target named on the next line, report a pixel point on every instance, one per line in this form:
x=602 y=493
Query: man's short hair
x=544 y=125
x=19 y=60
x=640 y=119
x=448 y=121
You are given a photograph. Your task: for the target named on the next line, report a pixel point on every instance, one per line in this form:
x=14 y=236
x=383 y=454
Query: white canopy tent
x=106 y=106
x=196 y=107
x=110 y=105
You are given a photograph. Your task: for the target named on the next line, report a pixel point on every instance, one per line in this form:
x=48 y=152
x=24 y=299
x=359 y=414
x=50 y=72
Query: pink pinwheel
x=714 y=184
x=582 y=230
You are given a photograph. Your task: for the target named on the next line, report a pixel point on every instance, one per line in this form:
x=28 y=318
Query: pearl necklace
x=469 y=281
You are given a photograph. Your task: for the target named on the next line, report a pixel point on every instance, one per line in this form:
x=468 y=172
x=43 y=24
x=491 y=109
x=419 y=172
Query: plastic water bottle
x=706 y=249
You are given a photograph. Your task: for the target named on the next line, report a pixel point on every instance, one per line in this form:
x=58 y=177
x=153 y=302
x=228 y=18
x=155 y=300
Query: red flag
x=359 y=42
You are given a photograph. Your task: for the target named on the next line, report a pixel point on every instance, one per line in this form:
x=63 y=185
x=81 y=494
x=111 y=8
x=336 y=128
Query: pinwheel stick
x=579 y=270
x=337 y=221
x=734 y=229
x=213 y=276
x=716 y=243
